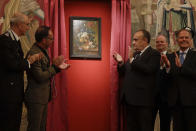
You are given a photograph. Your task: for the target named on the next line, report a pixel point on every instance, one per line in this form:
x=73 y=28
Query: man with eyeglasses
x=182 y=95
x=12 y=67
x=39 y=88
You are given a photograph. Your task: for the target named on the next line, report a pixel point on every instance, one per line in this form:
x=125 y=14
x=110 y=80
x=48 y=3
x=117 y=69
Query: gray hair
x=17 y=18
x=164 y=35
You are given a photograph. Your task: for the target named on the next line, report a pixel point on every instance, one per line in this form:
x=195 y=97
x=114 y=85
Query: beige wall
x=193 y=2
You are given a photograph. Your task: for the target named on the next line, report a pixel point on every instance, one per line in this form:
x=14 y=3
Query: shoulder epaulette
x=6 y=34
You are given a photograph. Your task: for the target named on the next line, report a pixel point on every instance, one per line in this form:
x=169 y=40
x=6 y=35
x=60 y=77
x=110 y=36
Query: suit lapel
x=188 y=56
x=20 y=48
x=46 y=55
x=46 y=59
x=16 y=43
x=146 y=52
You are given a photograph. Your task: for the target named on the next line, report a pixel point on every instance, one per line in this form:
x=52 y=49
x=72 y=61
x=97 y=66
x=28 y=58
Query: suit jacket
x=164 y=81
x=12 y=66
x=39 y=78
x=184 y=86
x=140 y=78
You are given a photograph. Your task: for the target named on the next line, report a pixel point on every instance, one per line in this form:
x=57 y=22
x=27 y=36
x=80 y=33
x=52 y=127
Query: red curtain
x=120 y=39
x=57 y=108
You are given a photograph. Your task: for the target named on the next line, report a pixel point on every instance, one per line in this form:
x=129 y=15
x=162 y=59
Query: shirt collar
x=184 y=51
x=164 y=52
x=144 y=49
x=13 y=35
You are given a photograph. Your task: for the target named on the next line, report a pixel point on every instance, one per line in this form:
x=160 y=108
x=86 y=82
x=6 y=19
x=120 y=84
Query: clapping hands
x=130 y=54
x=36 y=57
x=117 y=57
x=64 y=65
x=165 y=61
x=177 y=60
x=61 y=63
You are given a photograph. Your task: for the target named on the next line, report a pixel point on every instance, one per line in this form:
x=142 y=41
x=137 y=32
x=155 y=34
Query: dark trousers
x=10 y=116
x=139 y=118
x=184 y=118
x=164 y=114
x=36 y=116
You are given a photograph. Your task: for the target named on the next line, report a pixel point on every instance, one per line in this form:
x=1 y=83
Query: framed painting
x=85 y=37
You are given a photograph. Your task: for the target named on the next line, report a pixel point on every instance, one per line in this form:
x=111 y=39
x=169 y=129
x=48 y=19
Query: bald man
x=12 y=67
x=164 y=82
x=137 y=93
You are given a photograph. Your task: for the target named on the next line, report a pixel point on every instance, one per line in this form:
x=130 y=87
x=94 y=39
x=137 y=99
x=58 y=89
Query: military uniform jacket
x=12 y=66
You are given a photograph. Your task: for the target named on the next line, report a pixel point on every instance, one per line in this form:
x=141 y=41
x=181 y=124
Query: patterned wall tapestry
x=29 y=7
x=165 y=16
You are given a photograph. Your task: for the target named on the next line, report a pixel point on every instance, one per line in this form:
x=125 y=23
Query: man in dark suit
x=182 y=95
x=38 y=91
x=12 y=66
x=164 y=82
x=139 y=82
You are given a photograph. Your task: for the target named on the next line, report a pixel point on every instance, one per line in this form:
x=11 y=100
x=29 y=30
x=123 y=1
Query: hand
x=161 y=61
x=36 y=57
x=117 y=58
x=130 y=54
x=177 y=60
x=58 y=60
x=164 y=60
x=64 y=66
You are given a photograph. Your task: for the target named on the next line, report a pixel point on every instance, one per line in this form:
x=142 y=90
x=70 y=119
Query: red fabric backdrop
x=55 y=18
x=88 y=80
x=93 y=89
x=120 y=39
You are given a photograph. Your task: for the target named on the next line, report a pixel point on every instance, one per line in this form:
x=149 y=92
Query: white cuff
x=29 y=64
x=130 y=61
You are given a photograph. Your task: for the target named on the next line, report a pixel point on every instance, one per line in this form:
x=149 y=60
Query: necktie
x=136 y=55
x=46 y=54
x=181 y=57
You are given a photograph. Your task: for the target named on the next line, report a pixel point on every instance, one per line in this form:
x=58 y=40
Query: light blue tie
x=181 y=57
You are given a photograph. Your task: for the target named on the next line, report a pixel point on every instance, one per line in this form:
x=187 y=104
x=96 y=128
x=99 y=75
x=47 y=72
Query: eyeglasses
x=27 y=24
x=50 y=38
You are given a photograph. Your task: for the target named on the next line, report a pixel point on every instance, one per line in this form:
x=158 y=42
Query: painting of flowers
x=85 y=37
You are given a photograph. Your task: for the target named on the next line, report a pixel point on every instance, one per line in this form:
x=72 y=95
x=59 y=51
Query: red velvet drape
x=120 y=39
x=57 y=108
